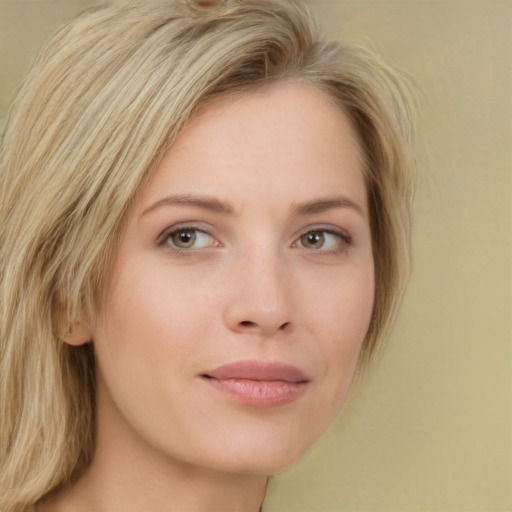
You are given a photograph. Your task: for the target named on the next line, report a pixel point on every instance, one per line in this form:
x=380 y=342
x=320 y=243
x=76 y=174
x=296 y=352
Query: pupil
x=184 y=238
x=313 y=240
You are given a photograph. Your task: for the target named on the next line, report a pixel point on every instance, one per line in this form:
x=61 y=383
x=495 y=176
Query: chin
x=263 y=464
x=265 y=451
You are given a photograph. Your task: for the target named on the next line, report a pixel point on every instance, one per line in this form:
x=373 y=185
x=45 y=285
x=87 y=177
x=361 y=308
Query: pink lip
x=259 y=383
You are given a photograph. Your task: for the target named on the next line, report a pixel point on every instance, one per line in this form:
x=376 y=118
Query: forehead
x=287 y=137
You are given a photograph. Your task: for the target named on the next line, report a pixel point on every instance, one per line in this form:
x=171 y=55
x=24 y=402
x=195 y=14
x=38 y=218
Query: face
x=243 y=287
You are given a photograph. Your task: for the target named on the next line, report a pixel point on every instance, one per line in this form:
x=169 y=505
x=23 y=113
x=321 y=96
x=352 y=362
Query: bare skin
x=249 y=249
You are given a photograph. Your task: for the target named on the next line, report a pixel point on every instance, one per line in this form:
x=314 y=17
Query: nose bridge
x=261 y=301
x=264 y=277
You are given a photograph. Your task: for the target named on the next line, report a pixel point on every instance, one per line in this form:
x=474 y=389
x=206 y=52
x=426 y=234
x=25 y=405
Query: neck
x=128 y=475
x=112 y=489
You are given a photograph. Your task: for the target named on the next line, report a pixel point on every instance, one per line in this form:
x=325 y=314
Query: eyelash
x=163 y=240
x=343 y=241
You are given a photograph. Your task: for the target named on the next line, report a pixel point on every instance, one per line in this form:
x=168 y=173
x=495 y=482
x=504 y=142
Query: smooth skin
x=250 y=242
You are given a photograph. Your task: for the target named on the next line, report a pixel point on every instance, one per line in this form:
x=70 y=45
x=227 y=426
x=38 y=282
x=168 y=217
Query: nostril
x=285 y=327
x=250 y=326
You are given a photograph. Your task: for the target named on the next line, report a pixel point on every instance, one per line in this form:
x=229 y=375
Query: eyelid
x=344 y=236
x=163 y=237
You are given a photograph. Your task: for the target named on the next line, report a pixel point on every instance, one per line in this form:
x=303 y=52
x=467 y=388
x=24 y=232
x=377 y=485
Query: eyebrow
x=322 y=205
x=217 y=206
x=206 y=203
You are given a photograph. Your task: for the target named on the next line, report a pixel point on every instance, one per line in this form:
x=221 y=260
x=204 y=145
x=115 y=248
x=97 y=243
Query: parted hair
x=103 y=102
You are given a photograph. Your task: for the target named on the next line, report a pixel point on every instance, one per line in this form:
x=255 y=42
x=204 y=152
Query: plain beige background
x=429 y=428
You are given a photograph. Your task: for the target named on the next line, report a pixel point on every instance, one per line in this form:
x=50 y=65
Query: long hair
x=105 y=99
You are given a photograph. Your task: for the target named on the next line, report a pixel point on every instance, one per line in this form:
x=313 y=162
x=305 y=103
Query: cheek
x=340 y=318
x=342 y=303
x=148 y=333
x=145 y=305
x=152 y=328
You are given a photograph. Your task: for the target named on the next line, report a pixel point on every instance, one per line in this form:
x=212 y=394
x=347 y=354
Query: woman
x=204 y=230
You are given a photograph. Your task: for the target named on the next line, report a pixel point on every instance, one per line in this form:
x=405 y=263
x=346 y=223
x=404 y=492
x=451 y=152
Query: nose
x=260 y=300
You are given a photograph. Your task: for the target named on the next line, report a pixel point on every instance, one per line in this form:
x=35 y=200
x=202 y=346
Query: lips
x=258 y=383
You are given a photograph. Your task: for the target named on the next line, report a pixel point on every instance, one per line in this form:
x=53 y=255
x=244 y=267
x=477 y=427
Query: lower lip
x=259 y=393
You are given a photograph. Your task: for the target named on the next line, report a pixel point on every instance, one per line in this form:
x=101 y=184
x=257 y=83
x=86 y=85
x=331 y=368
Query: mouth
x=258 y=383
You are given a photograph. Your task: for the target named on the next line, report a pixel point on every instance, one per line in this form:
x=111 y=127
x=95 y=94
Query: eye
x=322 y=239
x=188 y=238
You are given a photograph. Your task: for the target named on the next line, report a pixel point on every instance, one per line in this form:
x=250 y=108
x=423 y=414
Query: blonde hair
x=104 y=100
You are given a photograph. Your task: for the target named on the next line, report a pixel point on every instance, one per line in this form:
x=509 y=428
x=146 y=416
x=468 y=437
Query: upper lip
x=259 y=371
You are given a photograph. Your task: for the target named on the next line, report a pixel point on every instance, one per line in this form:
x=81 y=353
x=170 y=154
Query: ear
x=77 y=334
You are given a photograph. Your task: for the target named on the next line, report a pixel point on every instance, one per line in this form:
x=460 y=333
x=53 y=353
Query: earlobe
x=77 y=334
